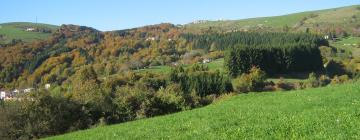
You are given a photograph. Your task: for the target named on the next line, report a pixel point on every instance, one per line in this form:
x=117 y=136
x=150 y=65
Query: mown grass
x=331 y=112
x=16 y=30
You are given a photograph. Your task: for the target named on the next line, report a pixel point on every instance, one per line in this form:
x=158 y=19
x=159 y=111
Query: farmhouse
x=207 y=60
x=47 y=86
x=2 y=95
x=174 y=63
x=30 y=29
x=150 y=38
x=14 y=94
x=7 y=95
x=326 y=37
x=27 y=90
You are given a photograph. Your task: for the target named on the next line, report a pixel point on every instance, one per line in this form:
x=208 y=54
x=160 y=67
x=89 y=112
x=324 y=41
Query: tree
x=252 y=81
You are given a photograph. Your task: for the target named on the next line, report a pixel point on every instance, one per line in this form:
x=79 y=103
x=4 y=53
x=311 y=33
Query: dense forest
x=273 y=52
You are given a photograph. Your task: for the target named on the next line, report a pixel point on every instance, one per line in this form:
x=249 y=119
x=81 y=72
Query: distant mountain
x=25 y=31
x=329 y=20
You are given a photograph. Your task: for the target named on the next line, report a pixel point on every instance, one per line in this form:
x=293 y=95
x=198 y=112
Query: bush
x=44 y=115
x=173 y=98
x=283 y=85
x=253 y=81
x=340 y=79
x=324 y=80
x=312 y=81
x=299 y=85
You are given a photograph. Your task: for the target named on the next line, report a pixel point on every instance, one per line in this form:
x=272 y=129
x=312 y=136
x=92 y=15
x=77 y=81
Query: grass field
x=331 y=112
x=336 y=16
x=16 y=30
x=349 y=44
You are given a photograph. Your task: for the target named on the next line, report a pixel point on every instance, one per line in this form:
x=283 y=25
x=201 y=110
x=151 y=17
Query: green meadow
x=321 y=113
x=17 y=30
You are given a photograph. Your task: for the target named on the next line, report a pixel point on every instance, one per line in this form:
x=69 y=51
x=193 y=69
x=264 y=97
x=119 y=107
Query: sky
x=109 y=15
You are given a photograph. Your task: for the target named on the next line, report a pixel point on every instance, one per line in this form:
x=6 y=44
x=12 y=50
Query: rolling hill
x=343 y=17
x=18 y=30
x=125 y=76
x=321 y=113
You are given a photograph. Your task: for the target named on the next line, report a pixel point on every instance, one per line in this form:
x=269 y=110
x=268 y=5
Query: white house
x=174 y=63
x=206 y=61
x=150 y=38
x=2 y=95
x=30 y=29
x=47 y=86
x=27 y=90
x=16 y=91
x=326 y=37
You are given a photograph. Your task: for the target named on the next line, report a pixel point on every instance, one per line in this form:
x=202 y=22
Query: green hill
x=347 y=18
x=321 y=113
x=18 y=30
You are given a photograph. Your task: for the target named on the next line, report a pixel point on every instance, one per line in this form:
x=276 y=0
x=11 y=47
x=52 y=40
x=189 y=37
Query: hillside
x=322 y=113
x=18 y=30
x=344 y=18
x=80 y=78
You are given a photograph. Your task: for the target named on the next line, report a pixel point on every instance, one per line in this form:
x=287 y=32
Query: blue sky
x=121 y=14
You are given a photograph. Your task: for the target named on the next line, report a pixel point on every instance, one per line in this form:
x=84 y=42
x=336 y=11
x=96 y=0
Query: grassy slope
x=16 y=30
x=330 y=112
x=336 y=16
x=350 y=44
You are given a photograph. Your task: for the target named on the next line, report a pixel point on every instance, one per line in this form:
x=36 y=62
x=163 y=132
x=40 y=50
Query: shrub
x=44 y=115
x=324 y=80
x=253 y=81
x=216 y=54
x=173 y=98
x=283 y=85
x=299 y=85
x=312 y=81
x=340 y=79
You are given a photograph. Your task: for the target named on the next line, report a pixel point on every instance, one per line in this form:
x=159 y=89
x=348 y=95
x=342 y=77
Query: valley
x=293 y=76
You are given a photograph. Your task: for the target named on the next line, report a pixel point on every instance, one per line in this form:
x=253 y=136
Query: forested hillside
x=78 y=77
x=57 y=59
